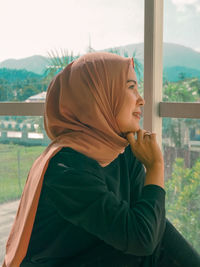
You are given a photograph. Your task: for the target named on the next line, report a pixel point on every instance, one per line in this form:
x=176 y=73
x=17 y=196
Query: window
x=181 y=54
x=168 y=113
x=181 y=123
x=43 y=36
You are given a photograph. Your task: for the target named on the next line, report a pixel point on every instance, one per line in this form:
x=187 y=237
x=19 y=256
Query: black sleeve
x=84 y=200
x=177 y=248
x=137 y=175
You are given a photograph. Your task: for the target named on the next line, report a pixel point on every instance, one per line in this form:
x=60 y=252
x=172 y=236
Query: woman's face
x=129 y=116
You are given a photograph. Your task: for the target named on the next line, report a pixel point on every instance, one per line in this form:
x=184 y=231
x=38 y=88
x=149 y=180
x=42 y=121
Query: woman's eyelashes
x=134 y=90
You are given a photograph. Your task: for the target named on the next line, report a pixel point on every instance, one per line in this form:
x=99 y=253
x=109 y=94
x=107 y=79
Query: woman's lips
x=137 y=114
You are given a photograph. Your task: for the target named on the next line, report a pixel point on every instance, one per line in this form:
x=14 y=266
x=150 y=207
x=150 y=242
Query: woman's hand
x=146 y=148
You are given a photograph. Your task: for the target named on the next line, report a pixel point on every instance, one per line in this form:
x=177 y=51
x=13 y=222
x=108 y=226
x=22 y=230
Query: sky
x=36 y=27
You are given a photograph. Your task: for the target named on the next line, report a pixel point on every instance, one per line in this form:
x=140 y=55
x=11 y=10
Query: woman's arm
x=84 y=200
x=175 y=247
x=155 y=175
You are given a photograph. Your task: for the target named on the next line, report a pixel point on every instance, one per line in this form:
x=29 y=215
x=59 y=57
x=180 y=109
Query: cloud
x=183 y=5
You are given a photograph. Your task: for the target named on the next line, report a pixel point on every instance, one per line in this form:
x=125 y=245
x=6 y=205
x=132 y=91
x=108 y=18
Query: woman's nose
x=140 y=100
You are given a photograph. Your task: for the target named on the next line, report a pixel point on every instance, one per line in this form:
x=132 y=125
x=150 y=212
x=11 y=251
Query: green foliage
x=177 y=73
x=138 y=65
x=13 y=75
x=18 y=85
x=114 y=51
x=182 y=91
x=16 y=161
x=183 y=200
x=186 y=90
x=57 y=62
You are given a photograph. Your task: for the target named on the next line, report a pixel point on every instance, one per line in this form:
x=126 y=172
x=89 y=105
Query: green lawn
x=15 y=163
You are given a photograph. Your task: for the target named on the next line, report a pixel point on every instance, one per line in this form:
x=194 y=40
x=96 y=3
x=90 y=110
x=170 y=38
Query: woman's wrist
x=155 y=175
x=156 y=166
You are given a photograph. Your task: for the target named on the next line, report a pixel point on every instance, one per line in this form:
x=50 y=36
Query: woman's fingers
x=153 y=136
x=145 y=148
x=140 y=135
x=130 y=137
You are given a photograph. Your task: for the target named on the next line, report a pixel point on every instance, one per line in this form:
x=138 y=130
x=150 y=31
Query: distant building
x=37 y=98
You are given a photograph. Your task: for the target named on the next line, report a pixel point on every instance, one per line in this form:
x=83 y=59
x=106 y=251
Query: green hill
x=36 y=64
x=12 y=75
x=177 y=59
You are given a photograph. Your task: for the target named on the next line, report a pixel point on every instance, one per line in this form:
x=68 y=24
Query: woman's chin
x=129 y=130
x=135 y=129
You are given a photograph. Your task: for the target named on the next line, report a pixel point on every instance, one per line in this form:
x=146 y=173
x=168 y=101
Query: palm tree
x=138 y=65
x=57 y=62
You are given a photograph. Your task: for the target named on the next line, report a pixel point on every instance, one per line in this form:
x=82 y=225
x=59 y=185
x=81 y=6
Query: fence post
x=19 y=171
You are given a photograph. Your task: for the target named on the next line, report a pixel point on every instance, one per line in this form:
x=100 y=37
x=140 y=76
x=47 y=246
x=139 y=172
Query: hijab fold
x=81 y=105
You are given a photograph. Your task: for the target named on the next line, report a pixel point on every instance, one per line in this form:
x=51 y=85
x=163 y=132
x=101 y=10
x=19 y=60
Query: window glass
x=22 y=140
x=62 y=31
x=38 y=39
x=181 y=51
x=181 y=147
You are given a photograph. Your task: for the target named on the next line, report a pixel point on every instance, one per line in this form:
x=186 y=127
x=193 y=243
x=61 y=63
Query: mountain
x=176 y=59
x=36 y=64
x=13 y=75
x=174 y=74
x=179 y=55
x=173 y=55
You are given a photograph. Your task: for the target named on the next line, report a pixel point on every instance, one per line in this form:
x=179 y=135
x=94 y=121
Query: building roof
x=37 y=98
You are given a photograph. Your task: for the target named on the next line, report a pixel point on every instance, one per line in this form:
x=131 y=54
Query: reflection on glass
x=22 y=139
x=181 y=147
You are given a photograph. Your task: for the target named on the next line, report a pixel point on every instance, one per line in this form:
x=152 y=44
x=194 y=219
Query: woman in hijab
x=95 y=196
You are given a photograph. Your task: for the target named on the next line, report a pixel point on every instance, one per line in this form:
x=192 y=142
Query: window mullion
x=153 y=66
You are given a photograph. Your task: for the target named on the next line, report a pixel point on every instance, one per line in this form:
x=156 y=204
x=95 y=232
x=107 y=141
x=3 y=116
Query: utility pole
x=90 y=49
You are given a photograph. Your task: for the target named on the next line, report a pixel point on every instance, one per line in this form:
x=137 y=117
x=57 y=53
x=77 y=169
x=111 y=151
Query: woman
x=88 y=200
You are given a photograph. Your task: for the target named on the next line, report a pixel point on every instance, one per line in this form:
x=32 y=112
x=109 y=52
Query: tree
x=182 y=75
x=137 y=63
x=182 y=91
x=57 y=62
x=182 y=200
x=5 y=90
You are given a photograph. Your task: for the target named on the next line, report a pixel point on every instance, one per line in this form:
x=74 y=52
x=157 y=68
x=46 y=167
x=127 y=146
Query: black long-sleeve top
x=87 y=212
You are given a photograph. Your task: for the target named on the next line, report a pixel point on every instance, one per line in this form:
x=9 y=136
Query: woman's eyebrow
x=131 y=81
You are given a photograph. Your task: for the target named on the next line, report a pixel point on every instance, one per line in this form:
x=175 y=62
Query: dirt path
x=7 y=215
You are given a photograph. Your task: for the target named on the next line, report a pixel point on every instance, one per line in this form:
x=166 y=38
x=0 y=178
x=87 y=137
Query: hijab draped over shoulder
x=81 y=106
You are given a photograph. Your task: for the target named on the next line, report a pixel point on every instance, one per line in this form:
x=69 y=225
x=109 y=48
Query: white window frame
x=154 y=109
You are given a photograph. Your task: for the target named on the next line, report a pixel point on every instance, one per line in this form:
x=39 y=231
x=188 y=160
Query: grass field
x=15 y=163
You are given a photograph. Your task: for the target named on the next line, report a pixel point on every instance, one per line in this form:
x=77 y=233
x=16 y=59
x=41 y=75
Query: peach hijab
x=81 y=106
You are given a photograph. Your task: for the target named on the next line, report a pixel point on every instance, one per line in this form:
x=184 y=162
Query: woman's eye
x=132 y=86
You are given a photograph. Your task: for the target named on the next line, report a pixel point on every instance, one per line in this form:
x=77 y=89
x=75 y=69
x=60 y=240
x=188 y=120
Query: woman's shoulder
x=67 y=158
